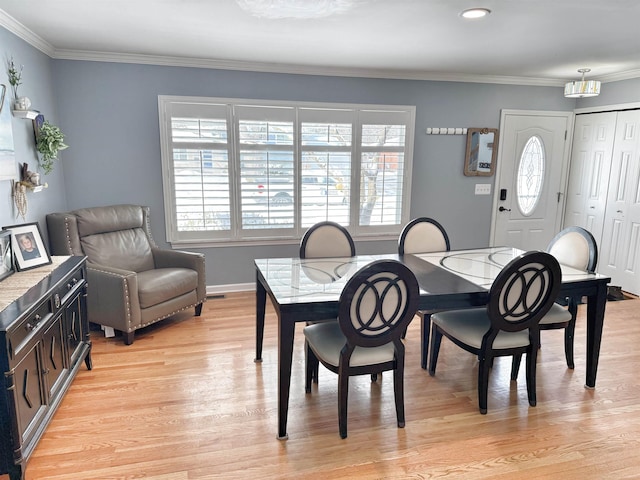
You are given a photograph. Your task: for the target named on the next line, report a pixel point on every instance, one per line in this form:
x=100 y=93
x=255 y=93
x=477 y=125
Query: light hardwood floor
x=186 y=402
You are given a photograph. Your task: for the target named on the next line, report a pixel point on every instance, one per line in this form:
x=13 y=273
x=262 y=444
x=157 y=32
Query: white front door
x=620 y=252
x=531 y=171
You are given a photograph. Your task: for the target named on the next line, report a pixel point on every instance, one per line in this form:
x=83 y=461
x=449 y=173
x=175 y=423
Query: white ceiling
x=532 y=42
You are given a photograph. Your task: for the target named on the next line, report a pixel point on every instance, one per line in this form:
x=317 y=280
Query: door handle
x=502 y=209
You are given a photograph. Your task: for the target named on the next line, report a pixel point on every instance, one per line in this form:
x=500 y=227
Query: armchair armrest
x=113 y=297
x=165 y=258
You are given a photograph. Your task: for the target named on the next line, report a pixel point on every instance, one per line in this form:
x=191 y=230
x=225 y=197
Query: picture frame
x=6 y=255
x=29 y=250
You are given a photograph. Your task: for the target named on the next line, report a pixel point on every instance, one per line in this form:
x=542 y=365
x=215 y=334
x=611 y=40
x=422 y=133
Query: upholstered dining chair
x=574 y=247
x=520 y=296
x=375 y=307
x=326 y=240
x=423 y=235
x=132 y=282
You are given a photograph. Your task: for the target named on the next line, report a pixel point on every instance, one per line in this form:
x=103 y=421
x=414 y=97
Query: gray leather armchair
x=132 y=282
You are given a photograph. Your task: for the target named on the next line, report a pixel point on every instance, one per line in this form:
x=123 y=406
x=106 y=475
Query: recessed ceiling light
x=475 y=13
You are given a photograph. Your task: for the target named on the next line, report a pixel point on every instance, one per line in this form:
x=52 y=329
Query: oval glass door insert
x=530 y=175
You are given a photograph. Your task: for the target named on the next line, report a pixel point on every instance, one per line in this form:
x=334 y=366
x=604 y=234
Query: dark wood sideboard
x=44 y=338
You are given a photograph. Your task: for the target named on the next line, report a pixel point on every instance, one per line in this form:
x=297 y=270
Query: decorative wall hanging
x=29 y=181
x=7 y=151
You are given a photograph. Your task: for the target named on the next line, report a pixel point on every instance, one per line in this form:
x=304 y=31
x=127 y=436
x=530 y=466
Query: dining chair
x=325 y=240
x=375 y=307
x=574 y=247
x=521 y=294
x=423 y=235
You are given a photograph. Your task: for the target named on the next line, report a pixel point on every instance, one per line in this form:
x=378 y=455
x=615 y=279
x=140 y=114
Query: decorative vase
x=22 y=103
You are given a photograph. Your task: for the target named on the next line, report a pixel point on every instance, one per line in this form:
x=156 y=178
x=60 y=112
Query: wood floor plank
x=187 y=402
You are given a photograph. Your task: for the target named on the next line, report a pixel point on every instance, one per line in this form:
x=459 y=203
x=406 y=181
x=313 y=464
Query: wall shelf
x=28 y=114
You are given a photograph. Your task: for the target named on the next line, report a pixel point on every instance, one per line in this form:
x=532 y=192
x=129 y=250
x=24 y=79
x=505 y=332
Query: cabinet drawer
x=71 y=283
x=28 y=327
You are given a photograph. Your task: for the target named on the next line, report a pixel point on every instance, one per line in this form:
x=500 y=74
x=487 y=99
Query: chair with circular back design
x=375 y=307
x=576 y=248
x=520 y=296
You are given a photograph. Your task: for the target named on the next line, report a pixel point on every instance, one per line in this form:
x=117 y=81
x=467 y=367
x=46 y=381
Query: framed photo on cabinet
x=28 y=247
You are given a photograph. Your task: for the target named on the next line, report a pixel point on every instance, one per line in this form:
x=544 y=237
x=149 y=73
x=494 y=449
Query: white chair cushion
x=326 y=340
x=327 y=241
x=557 y=314
x=424 y=237
x=572 y=250
x=469 y=326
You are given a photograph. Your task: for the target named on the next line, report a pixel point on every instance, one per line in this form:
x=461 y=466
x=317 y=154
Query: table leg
x=286 y=330
x=261 y=301
x=595 y=321
x=425 y=328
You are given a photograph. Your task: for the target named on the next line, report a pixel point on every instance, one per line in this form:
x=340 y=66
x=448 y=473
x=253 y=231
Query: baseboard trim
x=231 y=287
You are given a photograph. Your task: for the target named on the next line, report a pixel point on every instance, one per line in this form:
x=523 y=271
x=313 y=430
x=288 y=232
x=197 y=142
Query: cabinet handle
x=31 y=326
x=56 y=300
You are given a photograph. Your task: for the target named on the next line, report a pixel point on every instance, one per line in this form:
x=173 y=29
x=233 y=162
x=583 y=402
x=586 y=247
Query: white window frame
x=362 y=114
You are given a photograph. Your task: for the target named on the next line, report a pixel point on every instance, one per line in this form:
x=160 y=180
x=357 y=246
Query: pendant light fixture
x=582 y=88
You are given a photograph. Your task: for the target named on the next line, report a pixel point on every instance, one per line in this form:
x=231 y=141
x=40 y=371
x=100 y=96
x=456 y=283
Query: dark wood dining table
x=308 y=289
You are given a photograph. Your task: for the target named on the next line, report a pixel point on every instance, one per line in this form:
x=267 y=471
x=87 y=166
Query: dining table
x=303 y=290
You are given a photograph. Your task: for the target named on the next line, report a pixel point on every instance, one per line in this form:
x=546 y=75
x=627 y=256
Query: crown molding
x=299 y=69
x=15 y=27
x=616 y=77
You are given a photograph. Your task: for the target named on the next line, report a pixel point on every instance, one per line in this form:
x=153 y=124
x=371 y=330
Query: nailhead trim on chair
x=66 y=228
x=125 y=291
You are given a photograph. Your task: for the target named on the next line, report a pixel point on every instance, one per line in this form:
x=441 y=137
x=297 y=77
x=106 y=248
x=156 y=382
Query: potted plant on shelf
x=15 y=79
x=49 y=141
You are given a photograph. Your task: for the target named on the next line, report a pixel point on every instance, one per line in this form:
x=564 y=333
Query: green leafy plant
x=49 y=141
x=15 y=77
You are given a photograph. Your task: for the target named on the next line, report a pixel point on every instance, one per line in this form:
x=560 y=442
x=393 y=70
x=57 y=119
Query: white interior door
x=533 y=157
x=619 y=253
x=591 y=156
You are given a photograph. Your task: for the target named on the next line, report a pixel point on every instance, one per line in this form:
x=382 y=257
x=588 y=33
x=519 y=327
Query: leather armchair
x=132 y=282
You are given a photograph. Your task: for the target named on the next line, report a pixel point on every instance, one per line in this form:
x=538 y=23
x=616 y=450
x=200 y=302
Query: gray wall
x=38 y=85
x=109 y=114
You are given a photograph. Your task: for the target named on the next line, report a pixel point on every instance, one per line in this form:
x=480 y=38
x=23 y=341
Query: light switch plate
x=483 y=189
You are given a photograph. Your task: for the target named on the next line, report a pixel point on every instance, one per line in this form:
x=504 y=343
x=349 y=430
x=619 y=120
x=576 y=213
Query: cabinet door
x=74 y=326
x=53 y=361
x=28 y=394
